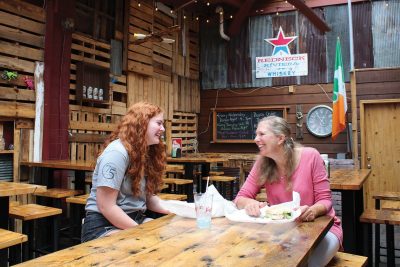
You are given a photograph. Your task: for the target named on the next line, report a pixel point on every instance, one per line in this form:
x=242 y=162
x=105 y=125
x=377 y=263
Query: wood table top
x=79 y=165
x=13 y=189
x=348 y=179
x=175 y=241
x=197 y=158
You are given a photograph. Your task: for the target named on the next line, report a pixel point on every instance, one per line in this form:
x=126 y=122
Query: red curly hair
x=149 y=160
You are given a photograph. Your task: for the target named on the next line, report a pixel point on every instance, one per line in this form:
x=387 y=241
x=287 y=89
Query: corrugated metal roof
x=377 y=43
x=386 y=33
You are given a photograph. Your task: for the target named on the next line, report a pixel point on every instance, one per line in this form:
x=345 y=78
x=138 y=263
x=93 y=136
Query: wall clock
x=319 y=121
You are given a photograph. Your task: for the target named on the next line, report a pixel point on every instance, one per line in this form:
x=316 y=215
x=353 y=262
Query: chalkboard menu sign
x=238 y=125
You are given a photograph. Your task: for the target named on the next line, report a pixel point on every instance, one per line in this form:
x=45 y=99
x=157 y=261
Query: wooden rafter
x=240 y=17
x=310 y=14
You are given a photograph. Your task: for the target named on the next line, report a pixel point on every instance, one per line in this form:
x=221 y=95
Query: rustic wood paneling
x=306 y=95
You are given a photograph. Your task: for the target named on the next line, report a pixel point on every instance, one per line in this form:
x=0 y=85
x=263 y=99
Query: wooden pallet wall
x=183 y=125
x=89 y=126
x=22 y=28
x=144 y=88
x=186 y=48
x=88 y=129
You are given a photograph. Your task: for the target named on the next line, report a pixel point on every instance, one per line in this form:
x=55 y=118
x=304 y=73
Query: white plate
x=241 y=215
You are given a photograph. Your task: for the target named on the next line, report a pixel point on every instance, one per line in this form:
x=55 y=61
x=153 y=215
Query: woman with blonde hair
x=284 y=166
x=128 y=174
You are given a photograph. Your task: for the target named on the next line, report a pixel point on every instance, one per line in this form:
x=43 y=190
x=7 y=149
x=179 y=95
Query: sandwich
x=278 y=213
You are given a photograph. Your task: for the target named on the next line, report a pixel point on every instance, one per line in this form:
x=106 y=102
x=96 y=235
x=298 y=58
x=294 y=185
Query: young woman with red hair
x=128 y=174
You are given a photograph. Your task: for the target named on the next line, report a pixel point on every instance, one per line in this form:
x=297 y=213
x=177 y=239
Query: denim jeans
x=96 y=225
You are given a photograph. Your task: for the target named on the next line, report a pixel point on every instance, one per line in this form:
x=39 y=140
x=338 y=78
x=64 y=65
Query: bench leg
x=3 y=257
x=377 y=244
x=390 y=245
x=55 y=233
x=15 y=254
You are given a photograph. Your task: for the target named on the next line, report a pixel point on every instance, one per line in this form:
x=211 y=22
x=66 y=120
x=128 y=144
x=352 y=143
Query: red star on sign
x=281 y=42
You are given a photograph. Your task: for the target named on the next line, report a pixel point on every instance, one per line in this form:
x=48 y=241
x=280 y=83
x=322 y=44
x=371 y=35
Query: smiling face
x=268 y=143
x=155 y=129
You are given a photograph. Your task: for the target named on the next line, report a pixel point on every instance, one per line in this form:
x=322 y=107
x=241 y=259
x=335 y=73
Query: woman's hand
x=308 y=214
x=253 y=207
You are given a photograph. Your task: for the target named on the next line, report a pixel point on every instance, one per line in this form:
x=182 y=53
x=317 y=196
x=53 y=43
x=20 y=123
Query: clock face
x=319 y=121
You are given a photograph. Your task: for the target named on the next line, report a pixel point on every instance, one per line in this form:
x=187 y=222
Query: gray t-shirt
x=110 y=171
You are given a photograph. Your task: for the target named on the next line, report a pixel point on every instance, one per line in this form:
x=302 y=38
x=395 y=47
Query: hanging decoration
x=29 y=83
x=9 y=75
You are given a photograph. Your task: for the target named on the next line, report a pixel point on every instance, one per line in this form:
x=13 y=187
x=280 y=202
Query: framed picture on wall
x=176 y=147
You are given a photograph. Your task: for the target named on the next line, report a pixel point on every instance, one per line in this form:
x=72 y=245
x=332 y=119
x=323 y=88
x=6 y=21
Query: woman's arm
x=153 y=204
x=107 y=204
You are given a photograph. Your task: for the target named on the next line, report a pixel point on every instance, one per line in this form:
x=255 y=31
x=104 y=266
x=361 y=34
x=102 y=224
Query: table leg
x=4 y=208
x=189 y=171
x=352 y=207
x=205 y=172
x=377 y=236
x=390 y=245
x=80 y=180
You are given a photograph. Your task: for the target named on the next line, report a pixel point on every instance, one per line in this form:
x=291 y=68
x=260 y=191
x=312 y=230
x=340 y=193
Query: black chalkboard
x=239 y=125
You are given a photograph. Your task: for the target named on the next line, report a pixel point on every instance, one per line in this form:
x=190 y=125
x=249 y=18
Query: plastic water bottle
x=327 y=164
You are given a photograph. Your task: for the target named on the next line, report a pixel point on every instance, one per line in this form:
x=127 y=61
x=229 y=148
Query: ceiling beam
x=240 y=17
x=311 y=15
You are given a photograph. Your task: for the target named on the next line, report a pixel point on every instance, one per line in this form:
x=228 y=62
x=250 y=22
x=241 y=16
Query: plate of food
x=281 y=213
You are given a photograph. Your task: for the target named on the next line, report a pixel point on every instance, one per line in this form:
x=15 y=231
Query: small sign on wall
x=176 y=147
x=281 y=63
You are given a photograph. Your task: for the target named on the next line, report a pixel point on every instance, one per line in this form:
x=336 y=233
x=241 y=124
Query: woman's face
x=268 y=143
x=155 y=129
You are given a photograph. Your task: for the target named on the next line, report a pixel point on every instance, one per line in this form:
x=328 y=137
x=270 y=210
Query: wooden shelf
x=90 y=100
x=6 y=151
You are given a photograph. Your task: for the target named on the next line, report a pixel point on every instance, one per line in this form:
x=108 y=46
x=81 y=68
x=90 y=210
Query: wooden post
x=38 y=132
x=354 y=122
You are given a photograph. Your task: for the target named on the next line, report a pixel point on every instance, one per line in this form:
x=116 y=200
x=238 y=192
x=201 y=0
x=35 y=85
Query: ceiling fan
x=140 y=38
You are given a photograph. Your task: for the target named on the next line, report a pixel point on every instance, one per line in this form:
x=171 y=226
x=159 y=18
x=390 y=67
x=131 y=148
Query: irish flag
x=339 y=95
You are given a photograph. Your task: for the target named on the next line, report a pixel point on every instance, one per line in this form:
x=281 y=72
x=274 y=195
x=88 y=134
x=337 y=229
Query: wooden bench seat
x=10 y=244
x=223 y=183
x=81 y=199
x=389 y=218
x=177 y=181
x=59 y=193
x=29 y=214
x=9 y=238
x=347 y=260
x=165 y=196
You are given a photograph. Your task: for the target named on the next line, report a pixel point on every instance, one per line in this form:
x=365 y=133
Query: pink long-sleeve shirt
x=309 y=179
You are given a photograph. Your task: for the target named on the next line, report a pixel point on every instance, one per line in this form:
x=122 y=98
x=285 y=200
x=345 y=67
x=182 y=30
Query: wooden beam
x=240 y=17
x=311 y=15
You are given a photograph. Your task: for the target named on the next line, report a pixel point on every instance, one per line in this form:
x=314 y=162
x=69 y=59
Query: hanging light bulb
x=138 y=4
x=184 y=16
x=231 y=16
x=208 y=20
x=197 y=18
x=208 y=3
x=172 y=11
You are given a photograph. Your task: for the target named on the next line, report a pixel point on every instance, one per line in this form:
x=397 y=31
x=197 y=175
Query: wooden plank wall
x=89 y=126
x=22 y=28
x=306 y=95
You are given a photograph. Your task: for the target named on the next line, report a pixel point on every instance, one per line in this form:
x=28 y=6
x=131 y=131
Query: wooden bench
x=347 y=260
x=81 y=199
x=222 y=184
x=391 y=200
x=9 y=239
x=29 y=214
x=165 y=196
x=389 y=218
x=180 y=186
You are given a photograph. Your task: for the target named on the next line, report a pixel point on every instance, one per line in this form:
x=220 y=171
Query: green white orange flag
x=339 y=95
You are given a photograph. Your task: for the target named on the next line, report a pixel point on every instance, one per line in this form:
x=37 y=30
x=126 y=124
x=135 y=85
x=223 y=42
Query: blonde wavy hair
x=149 y=160
x=268 y=168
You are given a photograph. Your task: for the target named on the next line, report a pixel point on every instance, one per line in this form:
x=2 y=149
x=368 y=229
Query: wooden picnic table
x=47 y=168
x=175 y=241
x=349 y=182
